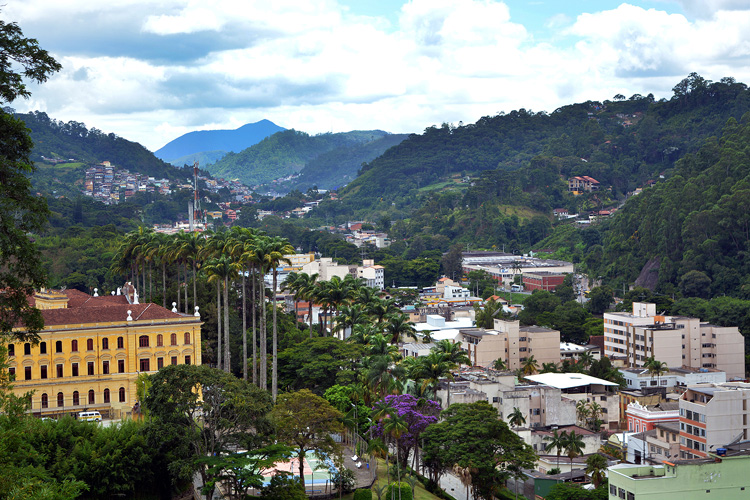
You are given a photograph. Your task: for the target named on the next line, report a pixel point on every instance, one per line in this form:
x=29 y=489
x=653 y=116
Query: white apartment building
x=325 y=269
x=373 y=275
x=713 y=416
x=675 y=340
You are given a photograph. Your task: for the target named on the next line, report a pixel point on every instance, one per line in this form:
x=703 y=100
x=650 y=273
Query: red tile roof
x=106 y=314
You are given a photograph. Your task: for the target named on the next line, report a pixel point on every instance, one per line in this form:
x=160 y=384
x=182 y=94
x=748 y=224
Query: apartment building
x=712 y=416
x=92 y=350
x=677 y=341
x=514 y=344
x=723 y=475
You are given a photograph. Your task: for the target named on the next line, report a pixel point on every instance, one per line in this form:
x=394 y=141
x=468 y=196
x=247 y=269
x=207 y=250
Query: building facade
x=93 y=349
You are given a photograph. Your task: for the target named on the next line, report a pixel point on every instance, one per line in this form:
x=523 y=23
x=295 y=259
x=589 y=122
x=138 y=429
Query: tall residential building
x=675 y=340
x=92 y=350
x=514 y=344
x=712 y=416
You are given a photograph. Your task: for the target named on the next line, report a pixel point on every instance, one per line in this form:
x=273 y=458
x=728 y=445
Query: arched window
x=45 y=400
x=143 y=341
x=74 y=345
x=159 y=340
x=42 y=347
x=76 y=399
x=105 y=343
x=11 y=350
x=27 y=349
x=173 y=339
x=122 y=394
x=60 y=399
x=106 y=395
x=187 y=338
x=58 y=346
x=92 y=397
x=120 y=343
x=89 y=344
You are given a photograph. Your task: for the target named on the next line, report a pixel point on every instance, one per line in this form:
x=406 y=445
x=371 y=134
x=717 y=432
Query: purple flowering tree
x=416 y=413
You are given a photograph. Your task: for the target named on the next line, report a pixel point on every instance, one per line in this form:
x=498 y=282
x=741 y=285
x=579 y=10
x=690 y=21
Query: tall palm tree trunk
x=187 y=306
x=274 y=358
x=195 y=288
x=227 y=357
x=310 y=313
x=244 y=329
x=255 y=335
x=263 y=338
x=178 y=287
x=164 y=285
x=218 y=324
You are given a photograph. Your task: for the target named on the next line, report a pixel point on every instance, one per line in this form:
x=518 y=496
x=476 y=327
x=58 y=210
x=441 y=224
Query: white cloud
x=150 y=72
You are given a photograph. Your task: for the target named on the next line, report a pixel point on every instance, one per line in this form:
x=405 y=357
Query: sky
x=150 y=71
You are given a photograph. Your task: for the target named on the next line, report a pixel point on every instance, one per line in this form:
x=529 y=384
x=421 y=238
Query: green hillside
x=73 y=141
x=622 y=143
x=203 y=158
x=283 y=154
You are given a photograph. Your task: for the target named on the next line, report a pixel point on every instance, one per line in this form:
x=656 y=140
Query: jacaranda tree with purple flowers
x=416 y=413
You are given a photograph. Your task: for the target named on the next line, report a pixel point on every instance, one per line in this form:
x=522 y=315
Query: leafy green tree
x=284 y=486
x=695 y=284
x=216 y=412
x=319 y=363
x=473 y=436
x=306 y=422
x=21 y=212
x=596 y=466
x=600 y=299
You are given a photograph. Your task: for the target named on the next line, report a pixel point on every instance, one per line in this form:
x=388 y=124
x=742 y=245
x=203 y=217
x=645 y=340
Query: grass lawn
x=419 y=492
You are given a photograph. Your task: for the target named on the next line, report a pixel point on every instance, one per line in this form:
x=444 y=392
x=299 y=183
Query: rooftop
x=568 y=380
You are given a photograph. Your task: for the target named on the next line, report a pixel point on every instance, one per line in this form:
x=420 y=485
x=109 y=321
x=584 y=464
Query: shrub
x=405 y=491
x=362 y=494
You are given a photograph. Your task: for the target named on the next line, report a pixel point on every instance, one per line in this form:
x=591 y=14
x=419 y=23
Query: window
x=89 y=344
x=144 y=365
x=159 y=363
x=120 y=343
x=106 y=395
x=27 y=373
x=60 y=399
x=76 y=398
x=58 y=346
x=105 y=343
x=622 y=493
x=43 y=348
x=174 y=360
x=43 y=371
x=27 y=349
x=187 y=338
x=173 y=339
x=11 y=350
x=91 y=367
x=45 y=400
x=75 y=369
x=159 y=340
x=613 y=489
x=143 y=341
x=122 y=394
x=187 y=360
x=120 y=366
x=74 y=345
x=59 y=371
x=92 y=397
x=631 y=496
x=105 y=367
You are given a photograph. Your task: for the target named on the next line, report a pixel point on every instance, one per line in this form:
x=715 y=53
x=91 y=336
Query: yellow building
x=92 y=350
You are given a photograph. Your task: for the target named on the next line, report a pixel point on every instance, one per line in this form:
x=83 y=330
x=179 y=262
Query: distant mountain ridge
x=285 y=154
x=200 y=141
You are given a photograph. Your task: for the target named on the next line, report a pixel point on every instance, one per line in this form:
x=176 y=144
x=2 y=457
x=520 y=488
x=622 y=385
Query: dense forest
x=285 y=153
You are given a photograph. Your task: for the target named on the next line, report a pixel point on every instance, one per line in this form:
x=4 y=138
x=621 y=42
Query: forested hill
x=285 y=153
x=72 y=140
x=622 y=143
x=694 y=228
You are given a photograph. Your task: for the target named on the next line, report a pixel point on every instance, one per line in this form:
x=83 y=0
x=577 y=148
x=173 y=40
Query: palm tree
x=656 y=368
x=582 y=411
x=595 y=410
x=191 y=246
x=530 y=366
x=455 y=355
x=275 y=255
x=499 y=365
x=253 y=264
x=549 y=368
x=430 y=369
x=464 y=475
x=516 y=418
x=349 y=316
x=573 y=447
x=585 y=359
x=237 y=250
x=395 y=426
x=397 y=326
x=595 y=467
x=380 y=309
x=557 y=441
x=223 y=269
